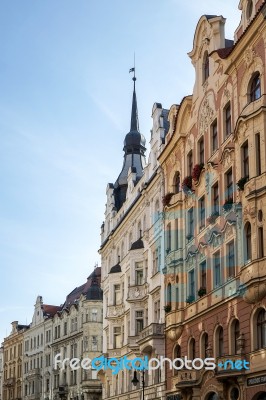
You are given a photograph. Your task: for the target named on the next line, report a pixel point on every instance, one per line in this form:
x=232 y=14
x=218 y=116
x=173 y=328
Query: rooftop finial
x=134 y=126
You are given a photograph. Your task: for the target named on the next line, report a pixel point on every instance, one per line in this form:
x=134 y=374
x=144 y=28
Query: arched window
x=192 y=349
x=235 y=333
x=204 y=344
x=261 y=329
x=169 y=294
x=206 y=67
x=247 y=233
x=255 y=87
x=176 y=183
x=177 y=354
x=219 y=342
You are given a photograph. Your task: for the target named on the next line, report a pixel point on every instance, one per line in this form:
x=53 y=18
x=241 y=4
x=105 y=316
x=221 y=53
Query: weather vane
x=133 y=70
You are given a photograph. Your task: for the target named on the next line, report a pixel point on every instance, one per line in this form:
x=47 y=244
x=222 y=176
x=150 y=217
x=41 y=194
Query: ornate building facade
x=131 y=257
x=13 y=362
x=73 y=329
x=214 y=164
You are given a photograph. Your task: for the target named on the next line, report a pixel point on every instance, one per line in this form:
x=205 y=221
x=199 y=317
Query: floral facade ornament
x=249 y=56
x=206 y=116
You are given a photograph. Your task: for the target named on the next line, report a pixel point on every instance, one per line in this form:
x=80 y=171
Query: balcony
x=173 y=258
x=174 y=324
x=132 y=342
x=255 y=185
x=114 y=353
x=150 y=332
x=115 y=311
x=138 y=292
x=34 y=372
x=185 y=377
x=230 y=365
x=253 y=281
x=9 y=382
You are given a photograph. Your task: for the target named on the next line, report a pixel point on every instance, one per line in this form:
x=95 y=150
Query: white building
x=132 y=261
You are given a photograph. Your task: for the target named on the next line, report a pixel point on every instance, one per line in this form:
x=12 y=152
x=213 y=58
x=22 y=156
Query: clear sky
x=65 y=98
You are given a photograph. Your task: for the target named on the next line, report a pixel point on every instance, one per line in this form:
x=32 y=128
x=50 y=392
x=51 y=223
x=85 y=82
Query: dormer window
x=249 y=9
x=206 y=67
x=255 y=88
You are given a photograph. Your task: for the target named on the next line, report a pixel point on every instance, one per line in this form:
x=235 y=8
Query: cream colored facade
x=214 y=164
x=132 y=282
x=13 y=362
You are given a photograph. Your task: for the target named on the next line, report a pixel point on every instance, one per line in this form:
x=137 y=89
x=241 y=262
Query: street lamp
x=135 y=381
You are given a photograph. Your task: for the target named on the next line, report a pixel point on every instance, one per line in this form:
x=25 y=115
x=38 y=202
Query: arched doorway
x=212 y=396
x=261 y=396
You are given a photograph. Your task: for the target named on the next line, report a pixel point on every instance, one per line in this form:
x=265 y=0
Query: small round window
x=249 y=9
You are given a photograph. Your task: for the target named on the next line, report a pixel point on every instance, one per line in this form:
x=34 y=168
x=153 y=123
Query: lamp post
x=135 y=381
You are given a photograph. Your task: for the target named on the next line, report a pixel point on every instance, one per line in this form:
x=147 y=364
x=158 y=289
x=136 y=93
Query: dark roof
x=20 y=327
x=49 y=310
x=73 y=296
x=224 y=53
x=137 y=245
x=210 y=16
x=115 y=268
x=94 y=292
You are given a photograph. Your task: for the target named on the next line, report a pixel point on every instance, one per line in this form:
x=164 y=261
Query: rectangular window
x=157 y=311
x=176 y=235
x=191 y=283
x=74 y=324
x=203 y=275
x=65 y=328
x=94 y=343
x=190 y=163
x=139 y=278
x=217 y=269
x=258 y=154
x=231 y=259
x=261 y=242
x=168 y=238
x=117 y=295
x=229 y=192
x=214 y=133
x=215 y=199
x=245 y=160
x=201 y=151
x=202 y=212
x=227 y=120
x=94 y=314
x=139 y=322
x=190 y=223
x=117 y=337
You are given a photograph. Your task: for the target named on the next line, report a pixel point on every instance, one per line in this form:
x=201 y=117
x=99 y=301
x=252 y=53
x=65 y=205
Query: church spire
x=134 y=126
x=134 y=153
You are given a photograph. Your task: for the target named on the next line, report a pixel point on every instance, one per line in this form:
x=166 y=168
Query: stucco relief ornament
x=206 y=117
x=137 y=292
x=226 y=93
x=249 y=56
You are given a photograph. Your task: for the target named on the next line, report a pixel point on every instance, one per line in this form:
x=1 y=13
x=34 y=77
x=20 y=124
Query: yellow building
x=13 y=357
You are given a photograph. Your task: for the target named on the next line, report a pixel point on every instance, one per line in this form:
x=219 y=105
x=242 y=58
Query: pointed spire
x=134 y=126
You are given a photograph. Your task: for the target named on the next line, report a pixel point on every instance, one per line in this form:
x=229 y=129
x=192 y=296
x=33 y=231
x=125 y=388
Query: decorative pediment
x=227 y=155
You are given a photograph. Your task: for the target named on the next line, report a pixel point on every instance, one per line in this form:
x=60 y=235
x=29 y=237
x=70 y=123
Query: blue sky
x=65 y=98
